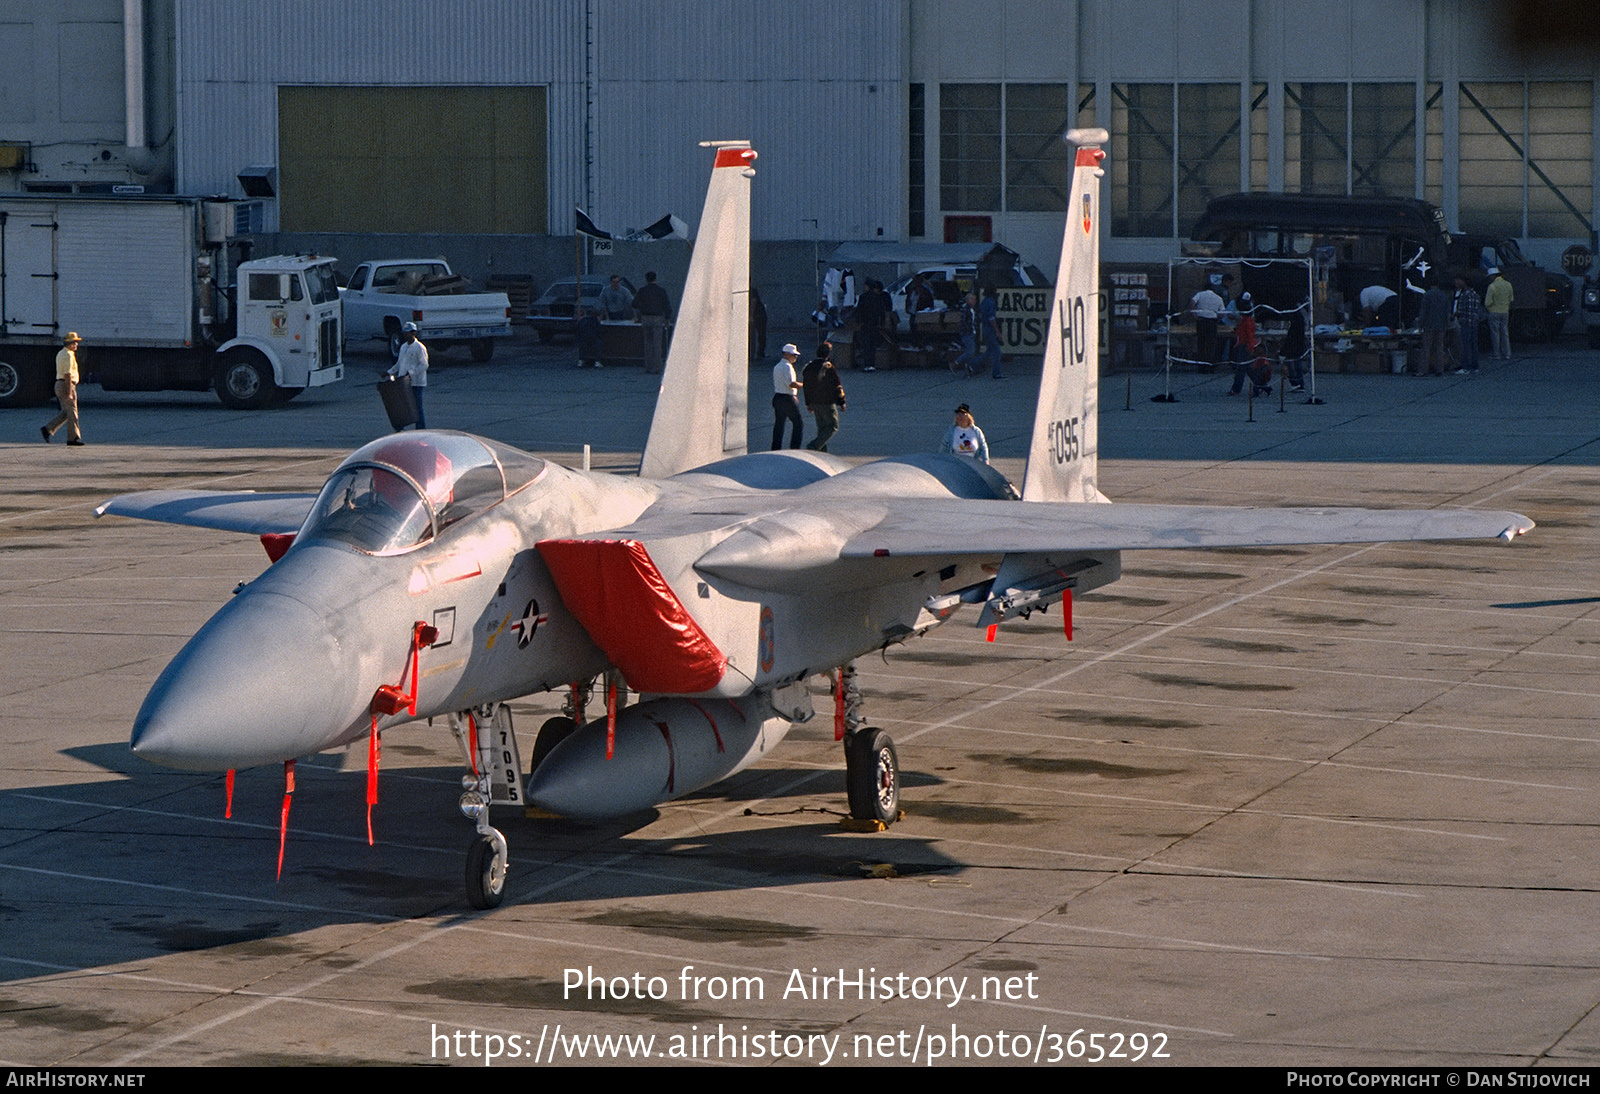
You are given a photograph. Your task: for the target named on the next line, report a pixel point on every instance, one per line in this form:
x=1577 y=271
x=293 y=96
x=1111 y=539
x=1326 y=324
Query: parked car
x=952 y=269
x=950 y=284
x=384 y=295
x=1591 y=312
x=551 y=314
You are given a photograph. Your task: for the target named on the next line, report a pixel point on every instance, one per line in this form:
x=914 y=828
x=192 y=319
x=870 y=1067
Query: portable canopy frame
x=1173 y=307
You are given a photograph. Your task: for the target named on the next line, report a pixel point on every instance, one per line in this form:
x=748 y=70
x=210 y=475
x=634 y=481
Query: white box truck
x=153 y=286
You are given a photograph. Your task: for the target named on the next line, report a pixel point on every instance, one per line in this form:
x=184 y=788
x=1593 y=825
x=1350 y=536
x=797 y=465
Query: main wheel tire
x=22 y=385
x=11 y=384
x=552 y=733
x=244 y=380
x=482 y=349
x=486 y=873
x=872 y=775
x=392 y=329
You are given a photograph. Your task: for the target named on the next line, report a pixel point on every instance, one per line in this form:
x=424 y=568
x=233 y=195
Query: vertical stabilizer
x=701 y=410
x=1061 y=459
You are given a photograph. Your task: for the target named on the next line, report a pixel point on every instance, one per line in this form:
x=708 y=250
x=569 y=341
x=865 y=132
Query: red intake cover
x=614 y=589
x=277 y=544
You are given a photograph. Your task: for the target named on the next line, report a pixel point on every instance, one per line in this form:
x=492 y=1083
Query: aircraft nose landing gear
x=494 y=777
x=486 y=870
x=486 y=856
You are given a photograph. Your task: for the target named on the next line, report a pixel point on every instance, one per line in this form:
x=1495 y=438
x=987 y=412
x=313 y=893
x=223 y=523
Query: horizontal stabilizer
x=239 y=511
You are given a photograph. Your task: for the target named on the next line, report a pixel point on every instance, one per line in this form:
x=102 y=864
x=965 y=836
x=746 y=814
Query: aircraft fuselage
x=338 y=620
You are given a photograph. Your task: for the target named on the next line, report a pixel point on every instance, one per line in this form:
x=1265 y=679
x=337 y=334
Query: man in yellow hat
x=66 y=391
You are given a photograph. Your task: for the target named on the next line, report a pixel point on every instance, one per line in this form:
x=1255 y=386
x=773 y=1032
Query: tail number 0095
x=1063 y=438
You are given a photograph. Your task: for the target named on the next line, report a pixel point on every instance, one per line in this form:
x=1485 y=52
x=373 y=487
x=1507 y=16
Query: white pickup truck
x=386 y=293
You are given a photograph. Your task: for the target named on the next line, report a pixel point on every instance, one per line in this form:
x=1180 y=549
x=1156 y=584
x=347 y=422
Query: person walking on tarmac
x=824 y=396
x=969 y=336
x=785 y=407
x=653 y=308
x=989 y=318
x=66 y=392
x=413 y=364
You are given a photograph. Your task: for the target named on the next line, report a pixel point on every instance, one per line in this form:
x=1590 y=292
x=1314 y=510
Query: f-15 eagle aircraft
x=442 y=574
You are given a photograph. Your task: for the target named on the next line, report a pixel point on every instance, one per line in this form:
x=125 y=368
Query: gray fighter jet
x=440 y=574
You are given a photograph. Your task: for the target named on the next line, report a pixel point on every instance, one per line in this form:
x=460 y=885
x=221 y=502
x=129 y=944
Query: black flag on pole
x=668 y=225
x=585 y=226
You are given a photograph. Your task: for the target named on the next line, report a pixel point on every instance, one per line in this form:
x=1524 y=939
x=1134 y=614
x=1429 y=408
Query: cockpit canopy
x=401 y=491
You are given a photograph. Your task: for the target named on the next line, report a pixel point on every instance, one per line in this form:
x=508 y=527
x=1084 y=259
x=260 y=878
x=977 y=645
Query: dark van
x=1396 y=242
x=1355 y=242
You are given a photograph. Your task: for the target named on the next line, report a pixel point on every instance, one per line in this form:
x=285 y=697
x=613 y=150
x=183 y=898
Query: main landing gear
x=493 y=777
x=872 y=767
x=558 y=729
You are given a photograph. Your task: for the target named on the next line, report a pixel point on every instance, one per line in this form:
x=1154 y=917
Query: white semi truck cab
x=288 y=335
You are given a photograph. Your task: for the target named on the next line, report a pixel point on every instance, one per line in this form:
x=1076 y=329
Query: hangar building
x=487 y=122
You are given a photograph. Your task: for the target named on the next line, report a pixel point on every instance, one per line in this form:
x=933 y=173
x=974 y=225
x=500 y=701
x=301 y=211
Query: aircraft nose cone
x=263 y=681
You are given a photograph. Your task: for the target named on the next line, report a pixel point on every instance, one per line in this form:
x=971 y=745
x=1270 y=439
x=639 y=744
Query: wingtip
x=1511 y=532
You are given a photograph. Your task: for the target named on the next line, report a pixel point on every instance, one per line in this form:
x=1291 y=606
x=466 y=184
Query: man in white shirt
x=1380 y=306
x=1206 y=305
x=785 y=407
x=413 y=364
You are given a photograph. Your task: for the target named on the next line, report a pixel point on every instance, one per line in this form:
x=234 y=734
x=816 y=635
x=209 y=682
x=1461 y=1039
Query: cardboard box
x=843 y=352
x=936 y=322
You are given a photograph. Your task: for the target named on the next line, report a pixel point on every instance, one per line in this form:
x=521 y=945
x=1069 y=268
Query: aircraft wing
x=939 y=528
x=238 y=511
x=848 y=548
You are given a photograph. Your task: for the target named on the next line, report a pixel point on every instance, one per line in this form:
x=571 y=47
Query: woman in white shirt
x=965 y=438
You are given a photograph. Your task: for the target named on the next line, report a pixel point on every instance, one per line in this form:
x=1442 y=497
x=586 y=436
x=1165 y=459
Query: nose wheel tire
x=486 y=871
x=872 y=776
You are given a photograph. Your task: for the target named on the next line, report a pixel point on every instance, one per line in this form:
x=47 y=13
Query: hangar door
x=412 y=159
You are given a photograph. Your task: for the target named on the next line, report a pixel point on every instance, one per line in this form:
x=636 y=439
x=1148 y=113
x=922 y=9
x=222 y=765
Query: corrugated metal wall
x=232 y=57
x=819 y=86
x=816 y=85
